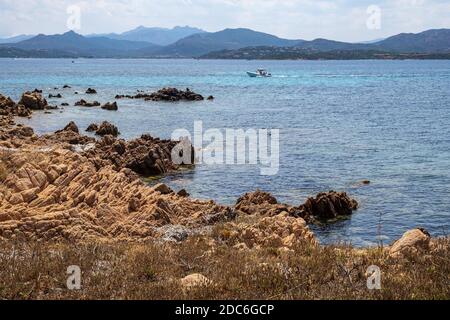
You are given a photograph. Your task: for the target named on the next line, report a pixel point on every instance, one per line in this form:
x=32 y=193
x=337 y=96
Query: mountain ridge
x=198 y=44
x=77 y=45
x=154 y=35
x=207 y=43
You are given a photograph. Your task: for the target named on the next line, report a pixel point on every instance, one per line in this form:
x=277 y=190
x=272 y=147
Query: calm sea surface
x=340 y=122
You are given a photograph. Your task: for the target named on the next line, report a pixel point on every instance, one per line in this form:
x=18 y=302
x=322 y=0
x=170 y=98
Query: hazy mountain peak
x=154 y=35
x=72 y=34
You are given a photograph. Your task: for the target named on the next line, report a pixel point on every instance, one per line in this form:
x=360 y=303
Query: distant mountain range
x=199 y=44
x=187 y=42
x=159 y=36
x=73 y=44
x=16 y=38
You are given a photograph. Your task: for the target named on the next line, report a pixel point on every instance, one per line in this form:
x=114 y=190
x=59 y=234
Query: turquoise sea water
x=340 y=122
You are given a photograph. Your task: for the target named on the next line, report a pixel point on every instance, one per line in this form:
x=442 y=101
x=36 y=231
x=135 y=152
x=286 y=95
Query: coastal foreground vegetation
x=158 y=271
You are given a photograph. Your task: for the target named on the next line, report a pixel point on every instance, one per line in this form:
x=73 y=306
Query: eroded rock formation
x=84 y=103
x=52 y=192
x=411 y=242
x=110 y=106
x=91 y=91
x=33 y=101
x=106 y=128
x=146 y=156
x=9 y=107
x=329 y=205
x=166 y=94
x=325 y=206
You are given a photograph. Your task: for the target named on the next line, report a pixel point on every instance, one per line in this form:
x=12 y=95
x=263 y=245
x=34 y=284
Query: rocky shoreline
x=167 y=94
x=69 y=187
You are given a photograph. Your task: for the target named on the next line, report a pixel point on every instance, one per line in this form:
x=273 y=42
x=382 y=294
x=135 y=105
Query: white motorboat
x=260 y=73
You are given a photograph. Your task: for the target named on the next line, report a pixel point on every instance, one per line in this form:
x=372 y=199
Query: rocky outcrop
x=166 y=94
x=107 y=128
x=93 y=127
x=84 y=103
x=110 y=106
x=53 y=192
x=9 y=107
x=413 y=241
x=264 y=204
x=146 y=155
x=91 y=91
x=325 y=206
x=6 y=102
x=33 y=101
x=328 y=206
x=162 y=188
x=70 y=127
x=14 y=136
x=277 y=231
x=61 y=195
x=183 y=193
x=69 y=135
x=195 y=280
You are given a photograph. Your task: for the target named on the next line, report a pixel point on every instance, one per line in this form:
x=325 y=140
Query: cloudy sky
x=345 y=20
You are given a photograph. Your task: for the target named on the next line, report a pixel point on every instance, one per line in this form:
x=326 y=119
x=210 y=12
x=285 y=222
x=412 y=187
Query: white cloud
x=307 y=19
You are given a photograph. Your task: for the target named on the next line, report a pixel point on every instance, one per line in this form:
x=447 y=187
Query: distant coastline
x=238 y=44
x=277 y=53
x=227 y=56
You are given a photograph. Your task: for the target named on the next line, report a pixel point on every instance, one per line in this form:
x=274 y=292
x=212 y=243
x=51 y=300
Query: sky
x=343 y=20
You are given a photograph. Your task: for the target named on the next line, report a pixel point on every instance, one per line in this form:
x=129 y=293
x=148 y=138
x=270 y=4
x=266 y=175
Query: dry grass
x=3 y=170
x=152 y=271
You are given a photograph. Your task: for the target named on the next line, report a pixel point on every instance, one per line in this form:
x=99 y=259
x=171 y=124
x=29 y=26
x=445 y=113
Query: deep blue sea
x=340 y=122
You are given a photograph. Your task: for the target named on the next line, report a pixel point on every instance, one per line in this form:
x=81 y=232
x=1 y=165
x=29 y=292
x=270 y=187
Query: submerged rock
x=58 y=96
x=91 y=91
x=110 y=106
x=84 y=103
x=166 y=94
x=107 y=128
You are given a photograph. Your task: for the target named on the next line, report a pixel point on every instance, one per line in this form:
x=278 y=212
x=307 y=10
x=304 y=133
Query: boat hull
x=252 y=74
